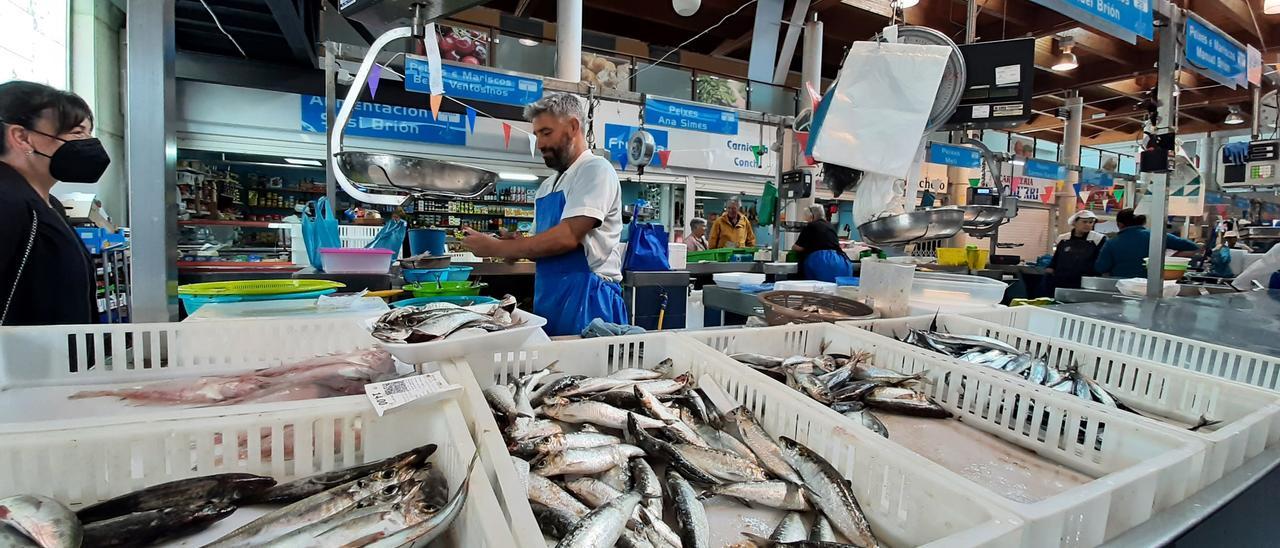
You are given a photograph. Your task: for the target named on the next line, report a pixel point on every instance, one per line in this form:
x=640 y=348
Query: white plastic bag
x=880 y=106
x=1137 y=287
x=881 y=195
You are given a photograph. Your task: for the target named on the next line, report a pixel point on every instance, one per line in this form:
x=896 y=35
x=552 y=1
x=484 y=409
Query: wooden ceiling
x=1111 y=77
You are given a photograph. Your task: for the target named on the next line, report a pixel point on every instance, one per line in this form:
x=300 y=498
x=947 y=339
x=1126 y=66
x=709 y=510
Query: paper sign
x=1255 y=65
x=981 y=111
x=1008 y=74
x=391 y=394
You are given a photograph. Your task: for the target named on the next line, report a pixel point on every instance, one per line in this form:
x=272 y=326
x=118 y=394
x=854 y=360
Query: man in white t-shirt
x=577 y=226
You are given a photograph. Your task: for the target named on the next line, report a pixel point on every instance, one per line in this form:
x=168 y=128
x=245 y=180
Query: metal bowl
x=927 y=224
x=982 y=215
x=394 y=172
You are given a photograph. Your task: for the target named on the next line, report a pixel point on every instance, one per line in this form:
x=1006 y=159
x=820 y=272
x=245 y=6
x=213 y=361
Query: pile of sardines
x=850 y=385
x=436 y=321
x=399 y=501
x=628 y=460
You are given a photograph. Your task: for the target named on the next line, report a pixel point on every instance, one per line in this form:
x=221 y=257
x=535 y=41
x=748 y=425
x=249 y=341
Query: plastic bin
x=1170 y=397
x=357 y=260
x=87 y=461
x=901 y=493
x=678 y=255
x=450 y=274
x=886 y=286
x=1139 y=469
x=710 y=256
x=938 y=287
x=460 y=301
x=427 y=240
x=529 y=330
x=445 y=289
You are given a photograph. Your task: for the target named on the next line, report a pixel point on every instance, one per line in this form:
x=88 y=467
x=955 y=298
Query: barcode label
x=397 y=392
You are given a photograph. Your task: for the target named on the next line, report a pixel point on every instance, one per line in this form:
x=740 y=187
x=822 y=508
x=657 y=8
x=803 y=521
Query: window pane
x=723 y=92
x=33 y=42
x=772 y=99
x=538 y=59
x=1128 y=165
x=607 y=72
x=997 y=141
x=1046 y=150
x=1090 y=157
x=664 y=81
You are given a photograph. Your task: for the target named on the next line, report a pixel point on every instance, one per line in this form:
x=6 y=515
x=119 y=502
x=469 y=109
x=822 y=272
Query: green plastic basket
x=445 y=289
x=257 y=287
x=710 y=255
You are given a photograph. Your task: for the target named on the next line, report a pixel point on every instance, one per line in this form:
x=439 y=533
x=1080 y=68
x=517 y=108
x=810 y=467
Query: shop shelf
x=1137 y=469
x=901 y=493
x=1170 y=397
x=242 y=224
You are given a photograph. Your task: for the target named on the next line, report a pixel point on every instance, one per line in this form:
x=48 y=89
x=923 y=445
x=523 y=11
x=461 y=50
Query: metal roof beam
x=294 y=29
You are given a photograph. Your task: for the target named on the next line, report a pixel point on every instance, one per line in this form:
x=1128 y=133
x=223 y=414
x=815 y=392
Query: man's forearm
x=546 y=244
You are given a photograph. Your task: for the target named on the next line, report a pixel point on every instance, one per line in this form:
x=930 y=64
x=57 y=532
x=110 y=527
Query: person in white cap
x=1076 y=252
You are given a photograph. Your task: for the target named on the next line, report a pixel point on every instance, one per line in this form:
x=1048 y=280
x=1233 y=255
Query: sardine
x=660 y=412
x=1019 y=365
x=885 y=376
x=637 y=374
x=553 y=522
x=870 y=421
x=811 y=386
x=854 y=391
x=548 y=493
x=594 y=412
x=905 y=402
x=586 y=461
x=846 y=407
x=500 y=400
x=760 y=542
x=1204 y=422
x=830 y=492
x=1100 y=393
x=593 y=492
x=695 y=531
x=973 y=340
x=145 y=528
x=618 y=477
x=595 y=384
x=602 y=526
x=760 y=360
x=532 y=380
x=821 y=530
x=555 y=388
x=522 y=398
x=215 y=489
x=790 y=529
x=1053 y=376
x=666 y=451
x=772 y=493
x=556 y=443
x=645 y=481
x=660 y=387
x=742 y=424
x=43 y=520
x=721 y=464
x=11 y=538
x=526 y=429
x=1081 y=386
x=427 y=530
x=1039 y=372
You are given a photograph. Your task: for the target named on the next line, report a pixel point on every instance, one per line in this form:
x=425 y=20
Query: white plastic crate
x=349 y=235
x=1140 y=469
x=1229 y=363
x=902 y=494
x=41 y=366
x=85 y=465
x=1251 y=416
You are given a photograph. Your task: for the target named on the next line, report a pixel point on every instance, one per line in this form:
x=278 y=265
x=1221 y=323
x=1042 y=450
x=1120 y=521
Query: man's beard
x=558 y=160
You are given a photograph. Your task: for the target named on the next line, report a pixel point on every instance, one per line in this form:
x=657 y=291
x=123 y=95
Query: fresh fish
x=836 y=377
x=532 y=380
x=772 y=493
x=526 y=429
x=1066 y=386
x=870 y=421
x=1204 y=422
x=1081 y=386
x=145 y=528
x=830 y=492
x=761 y=360
x=695 y=531
x=592 y=385
x=973 y=340
x=811 y=386
x=548 y=493
x=618 y=477
x=1098 y=392
x=761 y=542
x=846 y=407
x=604 y=525
x=885 y=376
x=594 y=412
x=434 y=489
x=798 y=360
x=596 y=494
x=342 y=530
x=1053 y=376
x=522 y=399
x=1019 y=365
x=556 y=443
x=645 y=481
x=905 y=402
x=501 y=400
x=821 y=530
x=11 y=538
x=721 y=464
x=425 y=531
x=587 y=461
x=214 y=490
x=43 y=520
x=854 y=391
x=593 y=492
x=554 y=389
x=667 y=452
x=637 y=374
x=554 y=523
x=660 y=412
x=1039 y=373
x=742 y=424
x=660 y=387
x=297 y=490
x=790 y=529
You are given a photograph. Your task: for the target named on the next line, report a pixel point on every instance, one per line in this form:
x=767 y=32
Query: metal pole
x=569 y=40
x=1070 y=156
x=971 y=22
x=330 y=112
x=152 y=159
x=1255 y=117
x=1168 y=66
x=783 y=150
x=811 y=56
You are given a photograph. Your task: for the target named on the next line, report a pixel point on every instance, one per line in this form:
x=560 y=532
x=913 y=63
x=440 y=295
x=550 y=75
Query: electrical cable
x=697 y=36
x=224 y=31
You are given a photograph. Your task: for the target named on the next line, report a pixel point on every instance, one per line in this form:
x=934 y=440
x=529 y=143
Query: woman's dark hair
x=1126 y=217
x=24 y=103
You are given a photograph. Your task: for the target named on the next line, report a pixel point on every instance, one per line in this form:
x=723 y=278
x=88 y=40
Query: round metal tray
x=927 y=224
x=415 y=175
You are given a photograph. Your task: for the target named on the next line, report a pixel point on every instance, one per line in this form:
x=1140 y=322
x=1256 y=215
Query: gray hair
x=733 y=200
x=818 y=212
x=560 y=105
x=697 y=222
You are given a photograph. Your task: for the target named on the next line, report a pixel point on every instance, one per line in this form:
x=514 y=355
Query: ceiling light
x=1067 y=60
x=686 y=8
x=530 y=42
x=904 y=4
x=297 y=162
x=518 y=177
x=1271 y=7
x=1018 y=162
x=1233 y=116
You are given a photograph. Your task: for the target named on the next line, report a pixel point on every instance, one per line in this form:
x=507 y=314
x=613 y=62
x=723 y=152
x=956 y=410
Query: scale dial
x=953 y=76
x=640 y=148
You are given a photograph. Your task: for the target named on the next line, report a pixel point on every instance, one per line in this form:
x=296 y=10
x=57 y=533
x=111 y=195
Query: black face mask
x=77 y=161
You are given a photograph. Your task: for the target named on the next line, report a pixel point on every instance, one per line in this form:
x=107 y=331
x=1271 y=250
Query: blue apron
x=826 y=265
x=565 y=291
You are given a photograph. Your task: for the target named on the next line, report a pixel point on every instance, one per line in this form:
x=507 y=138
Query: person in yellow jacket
x=733 y=229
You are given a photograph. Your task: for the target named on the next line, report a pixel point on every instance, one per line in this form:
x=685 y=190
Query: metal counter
x=1247 y=321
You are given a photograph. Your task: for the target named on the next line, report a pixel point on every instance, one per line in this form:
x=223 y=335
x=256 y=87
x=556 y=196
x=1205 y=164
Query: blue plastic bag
x=391 y=237
x=319 y=231
x=646 y=246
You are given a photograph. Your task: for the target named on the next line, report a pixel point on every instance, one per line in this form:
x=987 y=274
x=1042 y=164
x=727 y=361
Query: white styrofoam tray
x=903 y=494
x=1140 y=470
x=468 y=340
x=1211 y=359
x=287 y=441
x=1174 y=397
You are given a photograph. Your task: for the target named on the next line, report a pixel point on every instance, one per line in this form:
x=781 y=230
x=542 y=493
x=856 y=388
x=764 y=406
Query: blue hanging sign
x=1096 y=178
x=1041 y=169
x=475 y=83
x=616 y=137
x=690 y=116
x=952 y=155
x=1214 y=54
x=390 y=122
x=1124 y=19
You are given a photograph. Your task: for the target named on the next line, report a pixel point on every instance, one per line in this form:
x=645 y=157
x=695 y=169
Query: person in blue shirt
x=1121 y=256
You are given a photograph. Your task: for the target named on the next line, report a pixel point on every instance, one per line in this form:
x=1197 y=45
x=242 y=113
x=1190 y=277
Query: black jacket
x=55 y=285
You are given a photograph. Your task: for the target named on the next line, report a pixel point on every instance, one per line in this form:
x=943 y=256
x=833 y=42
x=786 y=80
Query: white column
x=1070 y=155
x=569 y=40
x=1167 y=66
x=811 y=56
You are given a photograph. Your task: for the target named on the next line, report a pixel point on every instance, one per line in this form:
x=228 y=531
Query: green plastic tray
x=445 y=289
x=257 y=287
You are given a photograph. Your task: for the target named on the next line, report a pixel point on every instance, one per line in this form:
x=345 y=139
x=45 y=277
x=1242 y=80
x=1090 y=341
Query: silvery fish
x=830 y=492
x=742 y=424
x=760 y=542
x=525 y=429
x=884 y=376
x=721 y=464
x=41 y=519
x=661 y=387
x=664 y=414
x=1099 y=393
x=228 y=488
x=811 y=386
x=618 y=477
x=821 y=530
x=593 y=492
x=973 y=340
x=905 y=402
x=554 y=388
x=602 y=526
x=870 y=421
x=790 y=529
x=666 y=451
x=645 y=481
x=695 y=531
x=593 y=385
x=757 y=359
x=854 y=391
x=586 y=461
x=772 y=493
x=556 y=443
x=501 y=401
x=1039 y=372
x=427 y=530
x=546 y=492
x=594 y=412
x=532 y=380
x=637 y=374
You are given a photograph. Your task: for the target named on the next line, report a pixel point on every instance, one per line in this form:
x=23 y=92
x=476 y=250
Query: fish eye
x=362 y=484
x=428 y=508
x=386 y=474
x=390 y=489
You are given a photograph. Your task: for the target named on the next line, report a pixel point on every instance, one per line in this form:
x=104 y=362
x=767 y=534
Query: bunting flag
x=533 y=144
x=435 y=106
x=758 y=151
x=506 y=134
x=471 y=119
x=622 y=161
x=1079 y=196
x=1046 y=194
x=375 y=76
x=435 y=76
x=1118 y=193
x=664 y=156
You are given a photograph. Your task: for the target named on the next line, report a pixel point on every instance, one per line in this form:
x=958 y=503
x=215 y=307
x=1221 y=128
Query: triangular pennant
x=435 y=106
x=1118 y=193
x=533 y=144
x=471 y=119
x=664 y=156
x=506 y=135
x=1046 y=194
x=1076 y=187
x=622 y=161
x=375 y=76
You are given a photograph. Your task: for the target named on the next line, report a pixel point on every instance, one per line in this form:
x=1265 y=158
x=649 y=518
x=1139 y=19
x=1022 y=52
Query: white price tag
x=981 y=111
x=397 y=392
x=1008 y=74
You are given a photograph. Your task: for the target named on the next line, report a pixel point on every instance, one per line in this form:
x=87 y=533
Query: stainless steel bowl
x=1098 y=283
x=927 y=224
x=982 y=215
x=394 y=172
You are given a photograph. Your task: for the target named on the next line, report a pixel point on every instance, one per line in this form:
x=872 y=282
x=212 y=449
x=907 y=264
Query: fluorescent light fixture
x=1233 y=116
x=297 y=162
x=1067 y=61
x=1018 y=162
x=518 y=177
x=529 y=42
x=1271 y=7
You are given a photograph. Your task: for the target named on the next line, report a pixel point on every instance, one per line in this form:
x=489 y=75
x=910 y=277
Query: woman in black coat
x=46 y=275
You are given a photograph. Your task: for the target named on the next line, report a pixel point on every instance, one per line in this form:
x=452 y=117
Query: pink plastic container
x=356 y=260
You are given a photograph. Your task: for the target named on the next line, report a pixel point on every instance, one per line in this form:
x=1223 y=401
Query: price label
x=391 y=394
